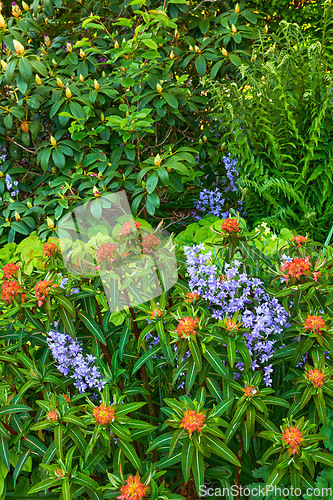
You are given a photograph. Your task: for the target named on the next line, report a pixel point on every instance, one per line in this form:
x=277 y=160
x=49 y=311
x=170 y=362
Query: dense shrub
x=111 y=101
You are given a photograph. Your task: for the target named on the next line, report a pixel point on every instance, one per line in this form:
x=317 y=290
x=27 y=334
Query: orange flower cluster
x=298 y=240
x=133 y=489
x=10 y=270
x=230 y=225
x=149 y=243
x=317 y=377
x=293 y=437
x=60 y=472
x=250 y=391
x=191 y=297
x=9 y=290
x=295 y=268
x=42 y=289
x=127 y=228
x=106 y=251
x=193 y=421
x=52 y=415
x=156 y=313
x=50 y=249
x=104 y=414
x=315 y=324
x=230 y=324
x=186 y=327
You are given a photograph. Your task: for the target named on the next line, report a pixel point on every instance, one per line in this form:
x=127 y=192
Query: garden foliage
x=277 y=121
x=225 y=376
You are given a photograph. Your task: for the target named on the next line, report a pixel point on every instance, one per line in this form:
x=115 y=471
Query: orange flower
x=66 y=398
x=317 y=377
x=156 y=313
x=230 y=225
x=127 y=228
x=250 y=391
x=298 y=240
x=104 y=414
x=230 y=324
x=186 y=327
x=149 y=243
x=10 y=270
x=42 y=289
x=293 y=437
x=50 y=249
x=52 y=415
x=106 y=251
x=191 y=297
x=60 y=472
x=295 y=268
x=133 y=489
x=193 y=421
x=316 y=324
x=9 y=290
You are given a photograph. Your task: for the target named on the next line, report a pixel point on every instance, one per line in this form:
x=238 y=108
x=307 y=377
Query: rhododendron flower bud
x=116 y=45
x=197 y=49
x=49 y=222
x=59 y=82
x=233 y=28
x=68 y=93
x=157 y=160
x=69 y=47
x=25 y=6
x=2 y=22
x=4 y=65
x=237 y=9
x=17 y=217
x=47 y=40
x=24 y=127
x=96 y=192
x=16 y=11
x=96 y=85
x=81 y=78
x=38 y=80
x=266 y=29
x=172 y=55
x=190 y=47
x=19 y=49
x=159 y=89
x=224 y=52
x=82 y=54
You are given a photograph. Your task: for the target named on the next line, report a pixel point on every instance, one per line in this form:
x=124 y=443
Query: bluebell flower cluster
x=10 y=184
x=63 y=285
x=263 y=317
x=68 y=353
x=213 y=201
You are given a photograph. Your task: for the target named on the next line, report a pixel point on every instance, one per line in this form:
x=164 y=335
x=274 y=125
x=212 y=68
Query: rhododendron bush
x=225 y=379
